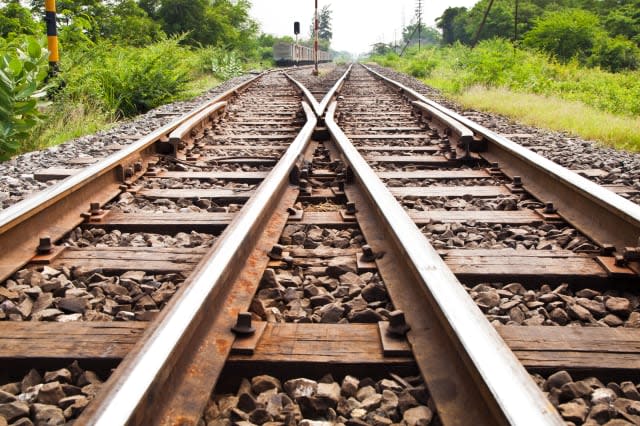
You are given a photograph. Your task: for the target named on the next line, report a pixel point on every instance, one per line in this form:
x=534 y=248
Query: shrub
x=129 y=80
x=222 y=63
x=616 y=54
x=565 y=33
x=23 y=69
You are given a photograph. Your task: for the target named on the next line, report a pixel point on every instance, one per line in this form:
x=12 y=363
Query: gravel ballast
x=266 y=400
x=569 y=151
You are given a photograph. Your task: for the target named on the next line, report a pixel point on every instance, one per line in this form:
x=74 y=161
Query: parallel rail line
x=324 y=218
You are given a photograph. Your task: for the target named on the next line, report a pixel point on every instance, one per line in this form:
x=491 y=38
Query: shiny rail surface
x=143 y=371
x=471 y=373
x=606 y=216
x=513 y=398
x=58 y=208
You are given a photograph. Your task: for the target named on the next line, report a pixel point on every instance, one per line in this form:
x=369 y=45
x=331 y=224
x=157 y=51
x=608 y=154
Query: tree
x=325 y=34
x=499 y=21
x=428 y=35
x=218 y=22
x=565 y=34
x=184 y=16
x=129 y=24
x=15 y=19
x=451 y=24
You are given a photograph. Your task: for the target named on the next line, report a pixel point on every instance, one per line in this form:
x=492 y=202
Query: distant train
x=291 y=54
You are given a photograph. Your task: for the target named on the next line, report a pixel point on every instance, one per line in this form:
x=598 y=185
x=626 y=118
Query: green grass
x=554 y=113
x=199 y=85
x=73 y=120
x=65 y=122
x=587 y=102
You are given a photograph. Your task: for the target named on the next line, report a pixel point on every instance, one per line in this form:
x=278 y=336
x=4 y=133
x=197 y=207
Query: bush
x=616 y=54
x=23 y=69
x=565 y=33
x=495 y=63
x=222 y=63
x=129 y=80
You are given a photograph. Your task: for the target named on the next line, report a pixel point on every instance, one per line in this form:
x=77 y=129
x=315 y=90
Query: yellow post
x=52 y=33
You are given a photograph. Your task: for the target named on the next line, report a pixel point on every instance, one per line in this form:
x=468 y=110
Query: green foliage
x=128 y=80
x=451 y=25
x=427 y=35
x=217 y=22
x=567 y=33
x=616 y=54
x=495 y=63
x=16 y=20
x=23 y=68
x=128 y=23
x=223 y=64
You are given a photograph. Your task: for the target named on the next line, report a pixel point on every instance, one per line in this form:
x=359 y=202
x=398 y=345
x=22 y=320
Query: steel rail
x=331 y=93
x=144 y=371
x=512 y=395
x=58 y=209
x=601 y=214
x=320 y=107
x=307 y=95
x=188 y=125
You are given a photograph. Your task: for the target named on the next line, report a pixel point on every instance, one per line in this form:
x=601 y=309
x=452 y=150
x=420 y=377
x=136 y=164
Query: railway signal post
x=315 y=42
x=52 y=35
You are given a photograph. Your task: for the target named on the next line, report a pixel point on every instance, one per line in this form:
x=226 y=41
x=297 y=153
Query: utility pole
x=484 y=19
x=419 y=15
x=315 y=43
x=52 y=35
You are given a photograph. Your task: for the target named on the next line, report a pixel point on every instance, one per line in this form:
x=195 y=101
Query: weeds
x=495 y=64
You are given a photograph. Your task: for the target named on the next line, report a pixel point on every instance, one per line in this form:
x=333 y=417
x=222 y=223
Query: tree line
x=604 y=33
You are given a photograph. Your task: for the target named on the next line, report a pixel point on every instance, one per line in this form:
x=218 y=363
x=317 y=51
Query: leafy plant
x=224 y=64
x=128 y=80
x=23 y=69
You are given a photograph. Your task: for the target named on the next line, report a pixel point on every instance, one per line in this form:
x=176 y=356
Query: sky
x=356 y=24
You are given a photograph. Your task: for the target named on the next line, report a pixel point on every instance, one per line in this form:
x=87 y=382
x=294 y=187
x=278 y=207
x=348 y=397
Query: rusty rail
x=603 y=215
x=144 y=374
x=58 y=208
x=503 y=392
x=320 y=107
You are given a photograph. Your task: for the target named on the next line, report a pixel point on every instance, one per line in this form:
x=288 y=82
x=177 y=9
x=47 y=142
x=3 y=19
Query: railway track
x=250 y=264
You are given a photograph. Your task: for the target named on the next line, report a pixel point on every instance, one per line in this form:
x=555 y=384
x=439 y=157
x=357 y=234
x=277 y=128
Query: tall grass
x=102 y=85
x=553 y=113
x=460 y=71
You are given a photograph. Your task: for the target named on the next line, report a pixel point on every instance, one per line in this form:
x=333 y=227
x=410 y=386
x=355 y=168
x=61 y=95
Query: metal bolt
x=397 y=323
x=351 y=208
x=128 y=172
x=517 y=182
x=243 y=324
x=45 y=246
x=549 y=208
x=94 y=209
x=304 y=173
x=137 y=166
x=607 y=249
x=631 y=254
x=276 y=252
x=288 y=260
x=620 y=260
x=367 y=253
x=453 y=154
